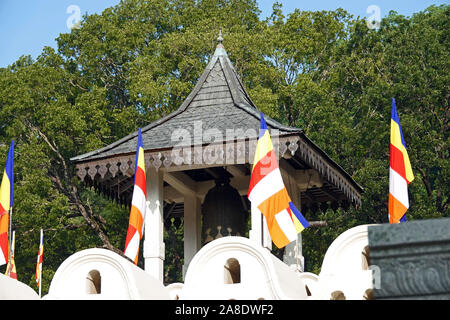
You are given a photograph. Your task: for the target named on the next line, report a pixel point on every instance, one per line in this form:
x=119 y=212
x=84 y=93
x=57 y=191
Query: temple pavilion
x=198 y=164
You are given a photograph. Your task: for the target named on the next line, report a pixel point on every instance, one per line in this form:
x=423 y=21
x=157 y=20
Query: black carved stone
x=414 y=259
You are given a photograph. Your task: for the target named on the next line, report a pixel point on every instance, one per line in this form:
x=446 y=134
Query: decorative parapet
x=414 y=259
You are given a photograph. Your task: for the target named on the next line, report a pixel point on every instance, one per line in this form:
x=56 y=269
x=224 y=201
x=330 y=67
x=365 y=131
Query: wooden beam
x=237 y=170
x=287 y=168
x=305 y=179
x=181 y=182
x=172 y=195
x=309 y=196
x=212 y=173
x=240 y=183
x=309 y=178
x=185 y=167
x=330 y=194
x=169 y=210
x=318 y=224
x=128 y=185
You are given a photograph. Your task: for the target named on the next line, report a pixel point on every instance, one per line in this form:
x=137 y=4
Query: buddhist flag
x=38 y=275
x=11 y=263
x=400 y=171
x=6 y=201
x=268 y=193
x=138 y=205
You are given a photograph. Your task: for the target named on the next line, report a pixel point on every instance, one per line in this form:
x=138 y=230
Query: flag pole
x=262 y=230
x=9 y=265
x=10 y=241
x=41 y=269
x=13 y=247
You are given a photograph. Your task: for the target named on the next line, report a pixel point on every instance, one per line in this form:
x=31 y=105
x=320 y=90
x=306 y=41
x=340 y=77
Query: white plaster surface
x=120 y=278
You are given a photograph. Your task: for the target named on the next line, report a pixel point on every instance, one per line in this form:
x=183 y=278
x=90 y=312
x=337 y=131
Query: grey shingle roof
x=219 y=101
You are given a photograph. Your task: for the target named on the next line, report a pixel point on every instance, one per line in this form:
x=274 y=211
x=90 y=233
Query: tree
x=406 y=59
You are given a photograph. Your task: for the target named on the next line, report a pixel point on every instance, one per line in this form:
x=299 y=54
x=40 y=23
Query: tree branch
x=72 y=192
x=426 y=182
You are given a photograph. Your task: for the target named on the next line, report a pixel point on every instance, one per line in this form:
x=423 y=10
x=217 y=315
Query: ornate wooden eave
x=218 y=102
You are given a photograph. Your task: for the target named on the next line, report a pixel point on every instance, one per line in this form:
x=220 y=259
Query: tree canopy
x=325 y=72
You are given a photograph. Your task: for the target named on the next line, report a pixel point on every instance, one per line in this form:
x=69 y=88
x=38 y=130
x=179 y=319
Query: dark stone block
x=413 y=259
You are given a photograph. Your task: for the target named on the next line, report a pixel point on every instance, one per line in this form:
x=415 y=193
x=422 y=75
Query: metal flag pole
x=10 y=241
x=13 y=247
x=262 y=230
x=41 y=264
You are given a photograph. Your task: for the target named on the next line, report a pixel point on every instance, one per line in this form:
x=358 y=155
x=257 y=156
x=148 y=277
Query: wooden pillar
x=154 y=248
x=192 y=228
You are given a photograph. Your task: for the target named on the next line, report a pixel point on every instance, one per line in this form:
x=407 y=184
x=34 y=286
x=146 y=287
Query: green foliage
x=324 y=72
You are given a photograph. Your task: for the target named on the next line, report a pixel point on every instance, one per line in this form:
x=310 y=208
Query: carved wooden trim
x=238 y=152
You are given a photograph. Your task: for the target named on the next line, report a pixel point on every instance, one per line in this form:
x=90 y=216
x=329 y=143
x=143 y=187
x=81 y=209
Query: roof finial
x=220 y=49
x=219 y=38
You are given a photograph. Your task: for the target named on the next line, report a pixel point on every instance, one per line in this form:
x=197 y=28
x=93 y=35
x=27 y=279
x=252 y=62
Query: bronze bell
x=223 y=212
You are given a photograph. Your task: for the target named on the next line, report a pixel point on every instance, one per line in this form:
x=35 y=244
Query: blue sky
x=26 y=26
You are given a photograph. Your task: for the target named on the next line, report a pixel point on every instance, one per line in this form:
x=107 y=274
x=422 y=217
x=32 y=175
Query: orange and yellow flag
x=269 y=195
x=6 y=201
x=400 y=171
x=38 y=275
x=138 y=205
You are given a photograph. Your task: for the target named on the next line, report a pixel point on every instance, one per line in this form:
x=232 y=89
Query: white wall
x=12 y=289
x=120 y=278
x=343 y=268
x=263 y=276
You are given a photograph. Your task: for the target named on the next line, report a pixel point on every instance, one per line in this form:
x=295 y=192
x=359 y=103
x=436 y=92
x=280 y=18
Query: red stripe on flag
x=140 y=180
x=266 y=165
x=290 y=213
x=130 y=233
x=4 y=245
x=4 y=228
x=397 y=162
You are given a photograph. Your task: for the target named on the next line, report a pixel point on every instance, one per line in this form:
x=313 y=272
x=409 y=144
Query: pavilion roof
x=218 y=102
